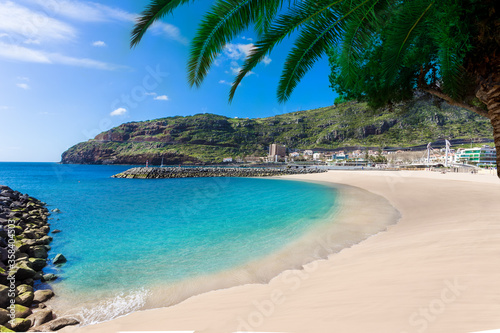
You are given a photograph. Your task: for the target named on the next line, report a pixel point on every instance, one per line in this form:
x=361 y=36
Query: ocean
x=134 y=244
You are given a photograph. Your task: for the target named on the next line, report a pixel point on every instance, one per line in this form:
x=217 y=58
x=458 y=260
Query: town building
x=276 y=152
x=484 y=155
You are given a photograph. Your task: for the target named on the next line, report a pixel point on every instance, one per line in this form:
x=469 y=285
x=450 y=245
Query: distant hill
x=207 y=138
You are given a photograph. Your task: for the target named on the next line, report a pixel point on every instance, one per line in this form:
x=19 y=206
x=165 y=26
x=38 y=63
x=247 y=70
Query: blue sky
x=68 y=74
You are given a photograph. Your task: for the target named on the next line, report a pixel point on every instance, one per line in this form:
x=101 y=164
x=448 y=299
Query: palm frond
x=283 y=26
x=220 y=25
x=153 y=12
x=406 y=24
x=313 y=42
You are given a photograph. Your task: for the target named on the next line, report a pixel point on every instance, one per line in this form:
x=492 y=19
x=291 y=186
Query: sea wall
x=24 y=246
x=176 y=172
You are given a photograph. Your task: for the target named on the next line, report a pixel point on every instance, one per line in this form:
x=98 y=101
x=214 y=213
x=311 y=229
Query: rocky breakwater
x=24 y=246
x=177 y=172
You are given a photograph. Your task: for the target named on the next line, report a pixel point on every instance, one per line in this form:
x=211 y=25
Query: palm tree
x=381 y=51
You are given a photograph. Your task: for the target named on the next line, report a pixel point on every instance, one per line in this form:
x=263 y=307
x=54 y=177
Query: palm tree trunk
x=492 y=99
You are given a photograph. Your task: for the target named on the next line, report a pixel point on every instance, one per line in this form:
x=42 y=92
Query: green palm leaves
x=381 y=43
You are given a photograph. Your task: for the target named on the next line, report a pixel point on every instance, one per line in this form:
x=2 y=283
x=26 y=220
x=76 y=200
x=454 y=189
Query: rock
x=38 y=276
x=56 y=210
x=59 y=259
x=40 y=317
x=56 y=231
x=4 y=296
x=37 y=263
x=43 y=295
x=22 y=271
x=25 y=298
x=24 y=288
x=29 y=281
x=49 y=277
x=21 y=311
x=5 y=329
x=56 y=324
x=45 y=240
x=38 y=251
x=19 y=324
x=4 y=316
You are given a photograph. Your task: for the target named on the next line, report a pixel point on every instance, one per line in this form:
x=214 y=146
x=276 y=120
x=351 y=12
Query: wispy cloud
x=118 y=112
x=237 y=51
x=99 y=43
x=24 y=54
x=24 y=86
x=161 y=98
x=85 y=11
x=20 y=24
x=169 y=31
x=225 y=82
x=4 y=107
x=266 y=60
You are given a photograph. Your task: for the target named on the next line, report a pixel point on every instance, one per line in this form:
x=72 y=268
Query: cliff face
x=207 y=138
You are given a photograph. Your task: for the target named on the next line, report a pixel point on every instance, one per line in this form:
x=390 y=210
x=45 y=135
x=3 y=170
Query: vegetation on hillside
x=207 y=138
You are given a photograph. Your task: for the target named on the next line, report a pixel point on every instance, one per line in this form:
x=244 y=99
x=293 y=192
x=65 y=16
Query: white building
x=484 y=155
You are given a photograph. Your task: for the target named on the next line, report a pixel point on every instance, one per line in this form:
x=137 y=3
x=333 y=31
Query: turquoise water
x=129 y=235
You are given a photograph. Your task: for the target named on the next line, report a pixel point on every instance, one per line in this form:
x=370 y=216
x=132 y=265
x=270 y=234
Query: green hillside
x=207 y=138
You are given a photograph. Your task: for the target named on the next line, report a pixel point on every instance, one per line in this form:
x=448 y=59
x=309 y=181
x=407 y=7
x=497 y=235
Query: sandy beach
x=436 y=270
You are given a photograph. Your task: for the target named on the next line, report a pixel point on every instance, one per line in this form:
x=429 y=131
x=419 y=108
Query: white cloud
x=83 y=11
x=247 y=38
x=21 y=53
x=225 y=82
x=118 y=112
x=23 y=78
x=237 y=51
x=23 y=86
x=3 y=107
x=151 y=94
x=161 y=98
x=99 y=43
x=266 y=60
x=169 y=31
x=24 y=25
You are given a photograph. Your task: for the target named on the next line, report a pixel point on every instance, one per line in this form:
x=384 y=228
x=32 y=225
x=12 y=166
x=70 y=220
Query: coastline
x=433 y=271
x=316 y=243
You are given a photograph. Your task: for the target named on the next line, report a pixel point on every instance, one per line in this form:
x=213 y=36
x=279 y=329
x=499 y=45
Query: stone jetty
x=24 y=243
x=179 y=172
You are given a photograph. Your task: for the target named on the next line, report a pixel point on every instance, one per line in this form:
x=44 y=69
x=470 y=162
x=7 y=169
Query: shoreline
x=318 y=241
x=433 y=271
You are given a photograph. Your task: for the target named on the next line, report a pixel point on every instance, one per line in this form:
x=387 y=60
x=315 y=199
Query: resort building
x=484 y=155
x=227 y=160
x=276 y=152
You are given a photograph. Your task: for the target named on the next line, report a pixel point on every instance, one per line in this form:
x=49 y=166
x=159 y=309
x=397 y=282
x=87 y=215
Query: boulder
x=38 y=276
x=56 y=231
x=44 y=240
x=43 y=295
x=56 y=324
x=22 y=271
x=56 y=210
x=4 y=316
x=21 y=311
x=38 y=251
x=37 y=263
x=25 y=298
x=18 y=324
x=5 y=329
x=48 y=277
x=40 y=317
x=59 y=259
x=4 y=296
x=24 y=288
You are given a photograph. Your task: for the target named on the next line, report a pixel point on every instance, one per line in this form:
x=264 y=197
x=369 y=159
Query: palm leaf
x=314 y=41
x=153 y=12
x=225 y=20
x=283 y=26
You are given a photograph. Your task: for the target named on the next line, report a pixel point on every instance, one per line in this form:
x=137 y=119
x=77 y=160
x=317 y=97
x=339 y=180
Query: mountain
x=207 y=138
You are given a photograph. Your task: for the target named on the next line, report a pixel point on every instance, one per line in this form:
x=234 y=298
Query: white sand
x=436 y=270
